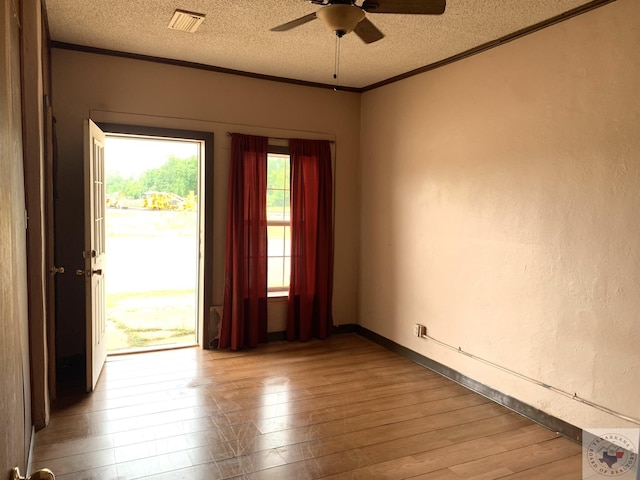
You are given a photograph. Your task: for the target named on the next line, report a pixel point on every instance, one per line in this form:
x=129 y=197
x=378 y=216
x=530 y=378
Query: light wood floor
x=344 y=408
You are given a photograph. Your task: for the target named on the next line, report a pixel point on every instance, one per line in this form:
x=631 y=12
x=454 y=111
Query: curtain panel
x=311 y=289
x=244 y=317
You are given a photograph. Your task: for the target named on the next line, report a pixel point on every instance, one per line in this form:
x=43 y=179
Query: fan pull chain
x=336 y=67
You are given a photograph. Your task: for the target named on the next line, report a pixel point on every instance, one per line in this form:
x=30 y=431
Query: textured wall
x=500 y=200
x=15 y=403
x=142 y=93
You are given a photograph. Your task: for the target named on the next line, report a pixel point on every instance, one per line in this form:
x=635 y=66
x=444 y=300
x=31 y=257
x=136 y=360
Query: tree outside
x=178 y=176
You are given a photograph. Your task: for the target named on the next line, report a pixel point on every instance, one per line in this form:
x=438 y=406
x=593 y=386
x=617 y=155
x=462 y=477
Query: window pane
x=287 y=241
x=287 y=270
x=278 y=210
x=281 y=200
x=287 y=172
x=277 y=171
x=275 y=272
x=287 y=206
x=273 y=167
x=277 y=240
x=274 y=213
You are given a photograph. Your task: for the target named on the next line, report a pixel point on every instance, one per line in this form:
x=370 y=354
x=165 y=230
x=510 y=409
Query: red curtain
x=244 y=317
x=311 y=289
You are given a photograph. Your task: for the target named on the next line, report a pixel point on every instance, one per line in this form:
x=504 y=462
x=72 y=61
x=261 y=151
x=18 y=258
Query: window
x=278 y=221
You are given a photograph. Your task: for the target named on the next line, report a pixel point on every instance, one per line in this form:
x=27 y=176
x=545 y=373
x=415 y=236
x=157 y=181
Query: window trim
x=282 y=291
x=278 y=149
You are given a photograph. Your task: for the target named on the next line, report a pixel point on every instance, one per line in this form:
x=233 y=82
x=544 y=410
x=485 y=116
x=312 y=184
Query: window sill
x=275 y=296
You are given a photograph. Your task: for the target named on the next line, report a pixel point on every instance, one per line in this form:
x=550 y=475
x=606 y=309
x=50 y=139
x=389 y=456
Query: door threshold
x=153 y=348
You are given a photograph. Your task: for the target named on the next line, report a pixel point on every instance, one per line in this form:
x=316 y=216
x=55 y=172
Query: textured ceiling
x=236 y=34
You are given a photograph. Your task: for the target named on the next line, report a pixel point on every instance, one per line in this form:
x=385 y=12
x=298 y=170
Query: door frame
x=206 y=218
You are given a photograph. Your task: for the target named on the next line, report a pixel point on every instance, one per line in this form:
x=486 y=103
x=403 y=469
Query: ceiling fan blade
x=368 y=32
x=416 y=7
x=294 y=23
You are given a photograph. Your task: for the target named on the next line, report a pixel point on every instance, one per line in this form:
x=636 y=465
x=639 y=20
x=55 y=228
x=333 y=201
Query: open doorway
x=153 y=233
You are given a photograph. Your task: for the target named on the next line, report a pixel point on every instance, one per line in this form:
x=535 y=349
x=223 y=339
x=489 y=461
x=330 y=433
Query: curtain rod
x=278 y=138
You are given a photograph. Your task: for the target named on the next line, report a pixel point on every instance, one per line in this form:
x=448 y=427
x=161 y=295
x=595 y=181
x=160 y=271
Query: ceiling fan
x=344 y=16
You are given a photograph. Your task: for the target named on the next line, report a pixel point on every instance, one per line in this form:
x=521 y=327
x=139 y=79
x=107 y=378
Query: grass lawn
x=151 y=278
x=143 y=319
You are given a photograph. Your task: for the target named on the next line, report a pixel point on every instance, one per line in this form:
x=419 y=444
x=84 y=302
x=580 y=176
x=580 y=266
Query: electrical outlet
x=419 y=330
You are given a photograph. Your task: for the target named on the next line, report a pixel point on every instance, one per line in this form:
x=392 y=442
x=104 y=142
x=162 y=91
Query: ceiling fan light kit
x=344 y=16
x=340 y=19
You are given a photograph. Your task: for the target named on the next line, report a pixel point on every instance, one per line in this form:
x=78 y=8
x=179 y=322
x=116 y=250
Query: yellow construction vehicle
x=168 y=201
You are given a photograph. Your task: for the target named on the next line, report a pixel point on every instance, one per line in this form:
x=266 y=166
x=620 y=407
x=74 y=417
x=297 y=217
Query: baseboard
x=337 y=329
x=538 y=416
x=276 y=336
x=346 y=328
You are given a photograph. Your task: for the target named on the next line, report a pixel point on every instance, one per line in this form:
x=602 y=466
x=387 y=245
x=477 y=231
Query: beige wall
x=500 y=203
x=143 y=93
x=498 y=206
x=15 y=396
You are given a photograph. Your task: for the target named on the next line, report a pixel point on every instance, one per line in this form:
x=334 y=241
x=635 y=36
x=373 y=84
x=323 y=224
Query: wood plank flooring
x=343 y=408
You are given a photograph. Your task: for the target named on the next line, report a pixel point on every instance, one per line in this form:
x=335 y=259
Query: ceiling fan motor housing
x=344 y=16
x=340 y=18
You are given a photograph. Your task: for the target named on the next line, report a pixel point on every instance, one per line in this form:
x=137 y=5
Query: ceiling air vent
x=186 y=21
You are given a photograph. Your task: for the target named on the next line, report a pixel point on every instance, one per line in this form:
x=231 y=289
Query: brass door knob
x=43 y=474
x=54 y=270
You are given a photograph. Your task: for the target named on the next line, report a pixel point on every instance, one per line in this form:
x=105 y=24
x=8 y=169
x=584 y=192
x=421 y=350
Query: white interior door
x=94 y=252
